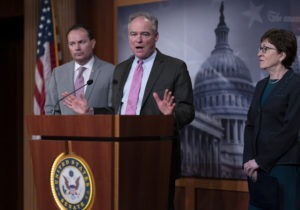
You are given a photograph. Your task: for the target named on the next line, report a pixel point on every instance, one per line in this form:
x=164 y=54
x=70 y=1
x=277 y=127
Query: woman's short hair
x=284 y=41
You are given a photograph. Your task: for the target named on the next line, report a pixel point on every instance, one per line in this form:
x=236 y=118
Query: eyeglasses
x=265 y=49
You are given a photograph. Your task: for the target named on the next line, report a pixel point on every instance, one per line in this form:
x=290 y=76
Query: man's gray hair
x=146 y=15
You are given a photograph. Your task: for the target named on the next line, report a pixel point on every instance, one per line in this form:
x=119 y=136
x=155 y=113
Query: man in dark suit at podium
x=163 y=86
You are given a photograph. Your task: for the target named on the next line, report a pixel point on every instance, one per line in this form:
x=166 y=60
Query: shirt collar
x=151 y=57
x=88 y=65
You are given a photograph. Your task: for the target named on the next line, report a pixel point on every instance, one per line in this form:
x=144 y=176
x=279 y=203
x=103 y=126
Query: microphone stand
x=89 y=82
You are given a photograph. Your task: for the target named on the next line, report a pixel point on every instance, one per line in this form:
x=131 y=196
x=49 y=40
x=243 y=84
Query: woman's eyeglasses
x=265 y=49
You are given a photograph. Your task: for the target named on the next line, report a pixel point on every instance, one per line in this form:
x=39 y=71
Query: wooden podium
x=129 y=156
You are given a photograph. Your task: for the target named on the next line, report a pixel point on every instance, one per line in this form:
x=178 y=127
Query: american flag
x=47 y=54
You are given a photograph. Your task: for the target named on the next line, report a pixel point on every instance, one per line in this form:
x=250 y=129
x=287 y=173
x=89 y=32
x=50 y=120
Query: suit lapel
x=261 y=89
x=125 y=73
x=69 y=76
x=154 y=74
x=278 y=89
x=94 y=75
x=121 y=77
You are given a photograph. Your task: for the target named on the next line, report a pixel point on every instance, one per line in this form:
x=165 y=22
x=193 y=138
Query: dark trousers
x=288 y=177
x=171 y=193
x=175 y=171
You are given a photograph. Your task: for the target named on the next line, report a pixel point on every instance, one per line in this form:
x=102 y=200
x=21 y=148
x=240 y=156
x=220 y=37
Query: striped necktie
x=79 y=82
x=134 y=89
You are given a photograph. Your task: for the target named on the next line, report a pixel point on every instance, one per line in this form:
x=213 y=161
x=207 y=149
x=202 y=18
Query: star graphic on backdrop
x=253 y=14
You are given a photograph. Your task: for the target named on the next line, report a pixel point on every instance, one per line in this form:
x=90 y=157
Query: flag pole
x=54 y=34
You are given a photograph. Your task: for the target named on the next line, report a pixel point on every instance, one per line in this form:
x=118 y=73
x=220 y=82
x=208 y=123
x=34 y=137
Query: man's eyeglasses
x=265 y=49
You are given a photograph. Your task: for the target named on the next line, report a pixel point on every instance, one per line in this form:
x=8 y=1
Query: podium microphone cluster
x=89 y=82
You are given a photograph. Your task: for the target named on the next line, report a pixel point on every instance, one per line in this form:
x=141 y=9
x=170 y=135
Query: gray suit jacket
x=98 y=94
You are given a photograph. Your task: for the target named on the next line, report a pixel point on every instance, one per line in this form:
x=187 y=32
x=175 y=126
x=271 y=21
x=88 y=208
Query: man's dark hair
x=80 y=26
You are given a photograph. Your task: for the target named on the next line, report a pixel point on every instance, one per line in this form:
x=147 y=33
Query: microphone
x=115 y=82
x=89 y=82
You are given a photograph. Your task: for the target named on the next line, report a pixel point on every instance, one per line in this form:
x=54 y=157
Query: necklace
x=273 y=81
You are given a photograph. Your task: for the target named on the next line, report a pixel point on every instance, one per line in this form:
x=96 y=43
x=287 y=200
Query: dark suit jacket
x=166 y=73
x=271 y=132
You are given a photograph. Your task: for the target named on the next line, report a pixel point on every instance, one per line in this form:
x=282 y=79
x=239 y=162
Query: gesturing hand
x=78 y=105
x=167 y=104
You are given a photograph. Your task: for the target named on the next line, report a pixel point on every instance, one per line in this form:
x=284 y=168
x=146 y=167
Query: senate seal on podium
x=72 y=183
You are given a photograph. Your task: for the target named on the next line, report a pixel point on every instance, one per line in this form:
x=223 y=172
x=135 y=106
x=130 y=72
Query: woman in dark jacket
x=271 y=158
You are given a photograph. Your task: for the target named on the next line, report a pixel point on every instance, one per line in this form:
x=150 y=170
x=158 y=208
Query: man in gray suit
x=165 y=88
x=81 y=43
